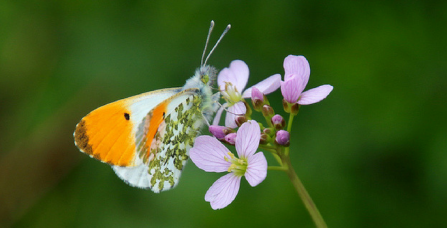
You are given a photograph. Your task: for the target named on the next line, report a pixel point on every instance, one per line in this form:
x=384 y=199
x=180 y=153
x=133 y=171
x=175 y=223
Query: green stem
x=278 y=159
x=269 y=148
x=305 y=197
x=278 y=168
x=289 y=124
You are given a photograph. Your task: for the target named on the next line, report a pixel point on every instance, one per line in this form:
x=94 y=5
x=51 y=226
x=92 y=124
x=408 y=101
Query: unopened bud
x=257 y=98
x=268 y=111
x=282 y=138
x=218 y=131
x=267 y=131
x=231 y=138
x=264 y=138
x=278 y=122
x=240 y=120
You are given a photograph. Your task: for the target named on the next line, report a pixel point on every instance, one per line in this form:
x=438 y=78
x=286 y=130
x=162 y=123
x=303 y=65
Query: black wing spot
x=164 y=115
x=126 y=116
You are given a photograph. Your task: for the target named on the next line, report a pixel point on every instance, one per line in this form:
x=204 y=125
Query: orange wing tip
x=82 y=142
x=81 y=138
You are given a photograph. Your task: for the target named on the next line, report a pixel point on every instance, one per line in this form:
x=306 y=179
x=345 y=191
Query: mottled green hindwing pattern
x=170 y=147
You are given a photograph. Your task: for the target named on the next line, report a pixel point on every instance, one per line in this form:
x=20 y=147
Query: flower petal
x=223 y=191
x=290 y=90
x=237 y=74
x=219 y=114
x=247 y=139
x=233 y=112
x=256 y=169
x=208 y=154
x=266 y=86
x=297 y=65
x=315 y=95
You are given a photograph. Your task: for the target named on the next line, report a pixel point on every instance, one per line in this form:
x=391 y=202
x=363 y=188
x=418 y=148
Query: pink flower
x=212 y=156
x=297 y=72
x=232 y=82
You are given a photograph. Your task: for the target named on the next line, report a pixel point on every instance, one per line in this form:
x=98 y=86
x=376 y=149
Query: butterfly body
x=146 y=138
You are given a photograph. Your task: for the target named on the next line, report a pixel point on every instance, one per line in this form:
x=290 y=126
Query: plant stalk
x=305 y=197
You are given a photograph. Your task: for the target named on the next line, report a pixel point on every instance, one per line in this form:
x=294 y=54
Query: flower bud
x=282 y=138
x=240 y=120
x=267 y=131
x=218 y=131
x=231 y=138
x=257 y=98
x=268 y=111
x=278 y=122
x=264 y=138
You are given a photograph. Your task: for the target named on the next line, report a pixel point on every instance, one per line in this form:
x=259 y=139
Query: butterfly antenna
x=206 y=43
x=218 y=41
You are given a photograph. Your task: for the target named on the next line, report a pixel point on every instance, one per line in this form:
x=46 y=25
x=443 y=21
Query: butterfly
x=146 y=138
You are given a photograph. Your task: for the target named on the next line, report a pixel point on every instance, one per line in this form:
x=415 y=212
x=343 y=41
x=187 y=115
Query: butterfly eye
x=126 y=116
x=205 y=78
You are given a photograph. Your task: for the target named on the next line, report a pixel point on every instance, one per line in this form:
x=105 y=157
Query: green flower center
x=238 y=165
x=231 y=94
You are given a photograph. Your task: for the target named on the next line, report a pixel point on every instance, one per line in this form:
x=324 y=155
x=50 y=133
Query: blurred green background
x=373 y=154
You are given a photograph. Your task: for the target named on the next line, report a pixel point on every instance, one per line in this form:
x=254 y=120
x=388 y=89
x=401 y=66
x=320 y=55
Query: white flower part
x=315 y=95
x=247 y=139
x=256 y=169
x=209 y=154
x=223 y=191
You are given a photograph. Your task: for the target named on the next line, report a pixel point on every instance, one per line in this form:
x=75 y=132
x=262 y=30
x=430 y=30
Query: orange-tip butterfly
x=146 y=138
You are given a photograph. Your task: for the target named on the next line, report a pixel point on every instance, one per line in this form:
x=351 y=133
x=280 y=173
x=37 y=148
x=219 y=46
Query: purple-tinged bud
x=231 y=138
x=218 y=131
x=282 y=138
x=240 y=120
x=278 y=122
x=268 y=111
x=264 y=139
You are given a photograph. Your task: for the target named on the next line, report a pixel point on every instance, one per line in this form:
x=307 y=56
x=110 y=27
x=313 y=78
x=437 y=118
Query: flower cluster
x=210 y=154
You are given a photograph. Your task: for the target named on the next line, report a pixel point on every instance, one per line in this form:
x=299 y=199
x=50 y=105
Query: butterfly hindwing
x=164 y=150
x=108 y=132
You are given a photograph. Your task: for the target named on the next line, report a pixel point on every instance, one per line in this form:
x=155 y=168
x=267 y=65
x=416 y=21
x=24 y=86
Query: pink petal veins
x=223 y=191
x=208 y=154
x=247 y=139
x=256 y=169
x=315 y=95
x=290 y=89
x=237 y=74
x=266 y=86
x=297 y=65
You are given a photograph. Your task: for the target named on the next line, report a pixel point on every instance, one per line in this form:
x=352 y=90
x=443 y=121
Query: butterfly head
x=207 y=74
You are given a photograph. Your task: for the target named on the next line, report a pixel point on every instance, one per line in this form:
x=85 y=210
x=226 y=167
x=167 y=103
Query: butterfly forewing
x=108 y=132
